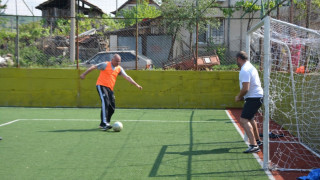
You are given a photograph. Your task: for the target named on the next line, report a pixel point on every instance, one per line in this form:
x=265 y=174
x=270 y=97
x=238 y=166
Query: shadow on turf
x=218 y=119
x=213 y=151
x=76 y=130
x=163 y=151
x=216 y=175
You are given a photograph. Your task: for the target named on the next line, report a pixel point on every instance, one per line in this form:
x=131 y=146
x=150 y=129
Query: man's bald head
x=116 y=60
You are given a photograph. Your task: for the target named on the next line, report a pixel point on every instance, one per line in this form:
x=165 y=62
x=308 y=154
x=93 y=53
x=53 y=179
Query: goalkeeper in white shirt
x=252 y=93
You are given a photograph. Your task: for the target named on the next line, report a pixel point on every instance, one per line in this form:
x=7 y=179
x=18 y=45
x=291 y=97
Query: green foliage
x=110 y=23
x=142 y=11
x=247 y=6
x=62 y=27
x=85 y=24
x=7 y=40
x=219 y=49
x=227 y=12
x=301 y=8
x=231 y=67
x=252 y=7
x=2 y=20
x=185 y=13
x=33 y=31
x=302 y=4
x=30 y=55
x=2 y=6
x=7 y=35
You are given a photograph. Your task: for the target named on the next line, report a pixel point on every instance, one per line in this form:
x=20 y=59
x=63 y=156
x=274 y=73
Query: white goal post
x=288 y=58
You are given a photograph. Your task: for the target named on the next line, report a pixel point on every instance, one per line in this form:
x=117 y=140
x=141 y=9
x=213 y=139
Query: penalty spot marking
x=84 y=120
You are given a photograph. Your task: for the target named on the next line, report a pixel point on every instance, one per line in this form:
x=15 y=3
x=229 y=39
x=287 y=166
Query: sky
x=106 y=6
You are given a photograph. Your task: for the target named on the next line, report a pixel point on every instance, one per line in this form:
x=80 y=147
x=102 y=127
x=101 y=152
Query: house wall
x=161 y=89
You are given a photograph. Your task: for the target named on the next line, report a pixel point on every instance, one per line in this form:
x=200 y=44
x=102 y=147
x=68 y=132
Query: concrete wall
x=161 y=89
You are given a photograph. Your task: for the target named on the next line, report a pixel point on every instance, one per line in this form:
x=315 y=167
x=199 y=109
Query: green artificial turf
x=62 y=143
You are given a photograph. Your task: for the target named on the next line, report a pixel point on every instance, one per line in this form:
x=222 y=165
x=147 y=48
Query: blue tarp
x=313 y=175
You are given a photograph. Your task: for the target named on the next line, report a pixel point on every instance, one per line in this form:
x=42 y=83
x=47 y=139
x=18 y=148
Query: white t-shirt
x=249 y=73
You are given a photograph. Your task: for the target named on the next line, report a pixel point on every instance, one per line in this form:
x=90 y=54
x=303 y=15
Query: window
x=102 y=57
x=213 y=34
x=126 y=57
x=130 y=7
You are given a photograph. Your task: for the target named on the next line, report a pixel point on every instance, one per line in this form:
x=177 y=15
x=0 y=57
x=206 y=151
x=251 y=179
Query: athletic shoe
x=105 y=128
x=252 y=149
x=259 y=143
x=272 y=135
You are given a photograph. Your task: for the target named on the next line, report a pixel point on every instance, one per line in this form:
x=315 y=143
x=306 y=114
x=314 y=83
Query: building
x=53 y=9
x=132 y=3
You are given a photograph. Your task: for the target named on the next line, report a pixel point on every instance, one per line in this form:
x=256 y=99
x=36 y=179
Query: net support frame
x=266 y=22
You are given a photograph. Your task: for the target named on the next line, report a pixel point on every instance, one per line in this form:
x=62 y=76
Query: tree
x=251 y=8
x=142 y=11
x=2 y=7
x=85 y=24
x=187 y=14
x=302 y=8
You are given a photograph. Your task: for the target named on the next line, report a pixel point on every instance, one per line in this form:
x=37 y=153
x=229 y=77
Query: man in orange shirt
x=105 y=83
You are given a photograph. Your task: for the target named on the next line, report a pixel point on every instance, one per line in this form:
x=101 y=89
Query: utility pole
x=197 y=34
x=77 y=34
x=17 y=36
x=137 y=34
x=116 y=7
x=72 y=31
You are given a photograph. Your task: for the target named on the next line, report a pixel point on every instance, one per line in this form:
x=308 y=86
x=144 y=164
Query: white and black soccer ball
x=117 y=126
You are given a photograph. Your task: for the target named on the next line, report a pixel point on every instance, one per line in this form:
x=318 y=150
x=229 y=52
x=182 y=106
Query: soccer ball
x=117 y=126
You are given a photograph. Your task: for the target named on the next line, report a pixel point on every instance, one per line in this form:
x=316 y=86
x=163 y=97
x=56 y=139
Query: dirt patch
x=287 y=150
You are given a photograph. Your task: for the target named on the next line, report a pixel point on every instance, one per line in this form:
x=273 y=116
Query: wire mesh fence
x=44 y=42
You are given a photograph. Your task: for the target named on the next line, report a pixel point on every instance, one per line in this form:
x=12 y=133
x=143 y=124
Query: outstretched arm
x=128 y=78
x=83 y=75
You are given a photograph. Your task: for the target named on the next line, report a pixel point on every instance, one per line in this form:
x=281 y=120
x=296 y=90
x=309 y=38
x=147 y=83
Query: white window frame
x=209 y=34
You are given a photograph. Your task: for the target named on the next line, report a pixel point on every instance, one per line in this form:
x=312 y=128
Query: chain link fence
x=44 y=43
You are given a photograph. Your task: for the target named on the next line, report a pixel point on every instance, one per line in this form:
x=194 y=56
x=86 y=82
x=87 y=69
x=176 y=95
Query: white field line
x=254 y=154
x=155 y=121
x=10 y=122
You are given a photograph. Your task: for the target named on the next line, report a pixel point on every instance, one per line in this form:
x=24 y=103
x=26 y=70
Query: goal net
x=288 y=58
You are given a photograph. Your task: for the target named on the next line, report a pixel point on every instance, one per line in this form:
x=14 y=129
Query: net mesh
x=294 y=97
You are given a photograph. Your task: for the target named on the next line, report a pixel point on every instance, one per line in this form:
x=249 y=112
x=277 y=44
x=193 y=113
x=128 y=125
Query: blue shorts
x=251 y=107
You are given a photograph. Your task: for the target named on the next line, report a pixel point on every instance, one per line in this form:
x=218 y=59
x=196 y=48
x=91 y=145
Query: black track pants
x=107 y=104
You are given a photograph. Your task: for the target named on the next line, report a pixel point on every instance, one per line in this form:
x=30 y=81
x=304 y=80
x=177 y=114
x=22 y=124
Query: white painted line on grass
x=84 y=120
x=269 y=174
x=10 y=122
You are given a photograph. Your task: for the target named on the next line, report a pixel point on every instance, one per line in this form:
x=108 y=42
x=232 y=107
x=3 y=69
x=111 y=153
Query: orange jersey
x=108 y=76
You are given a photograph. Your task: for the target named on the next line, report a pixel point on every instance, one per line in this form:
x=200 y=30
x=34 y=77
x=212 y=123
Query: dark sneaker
x=252 y=149
x=259 y=143
x=273 y=135
x=102 y=125
x=106 y=128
